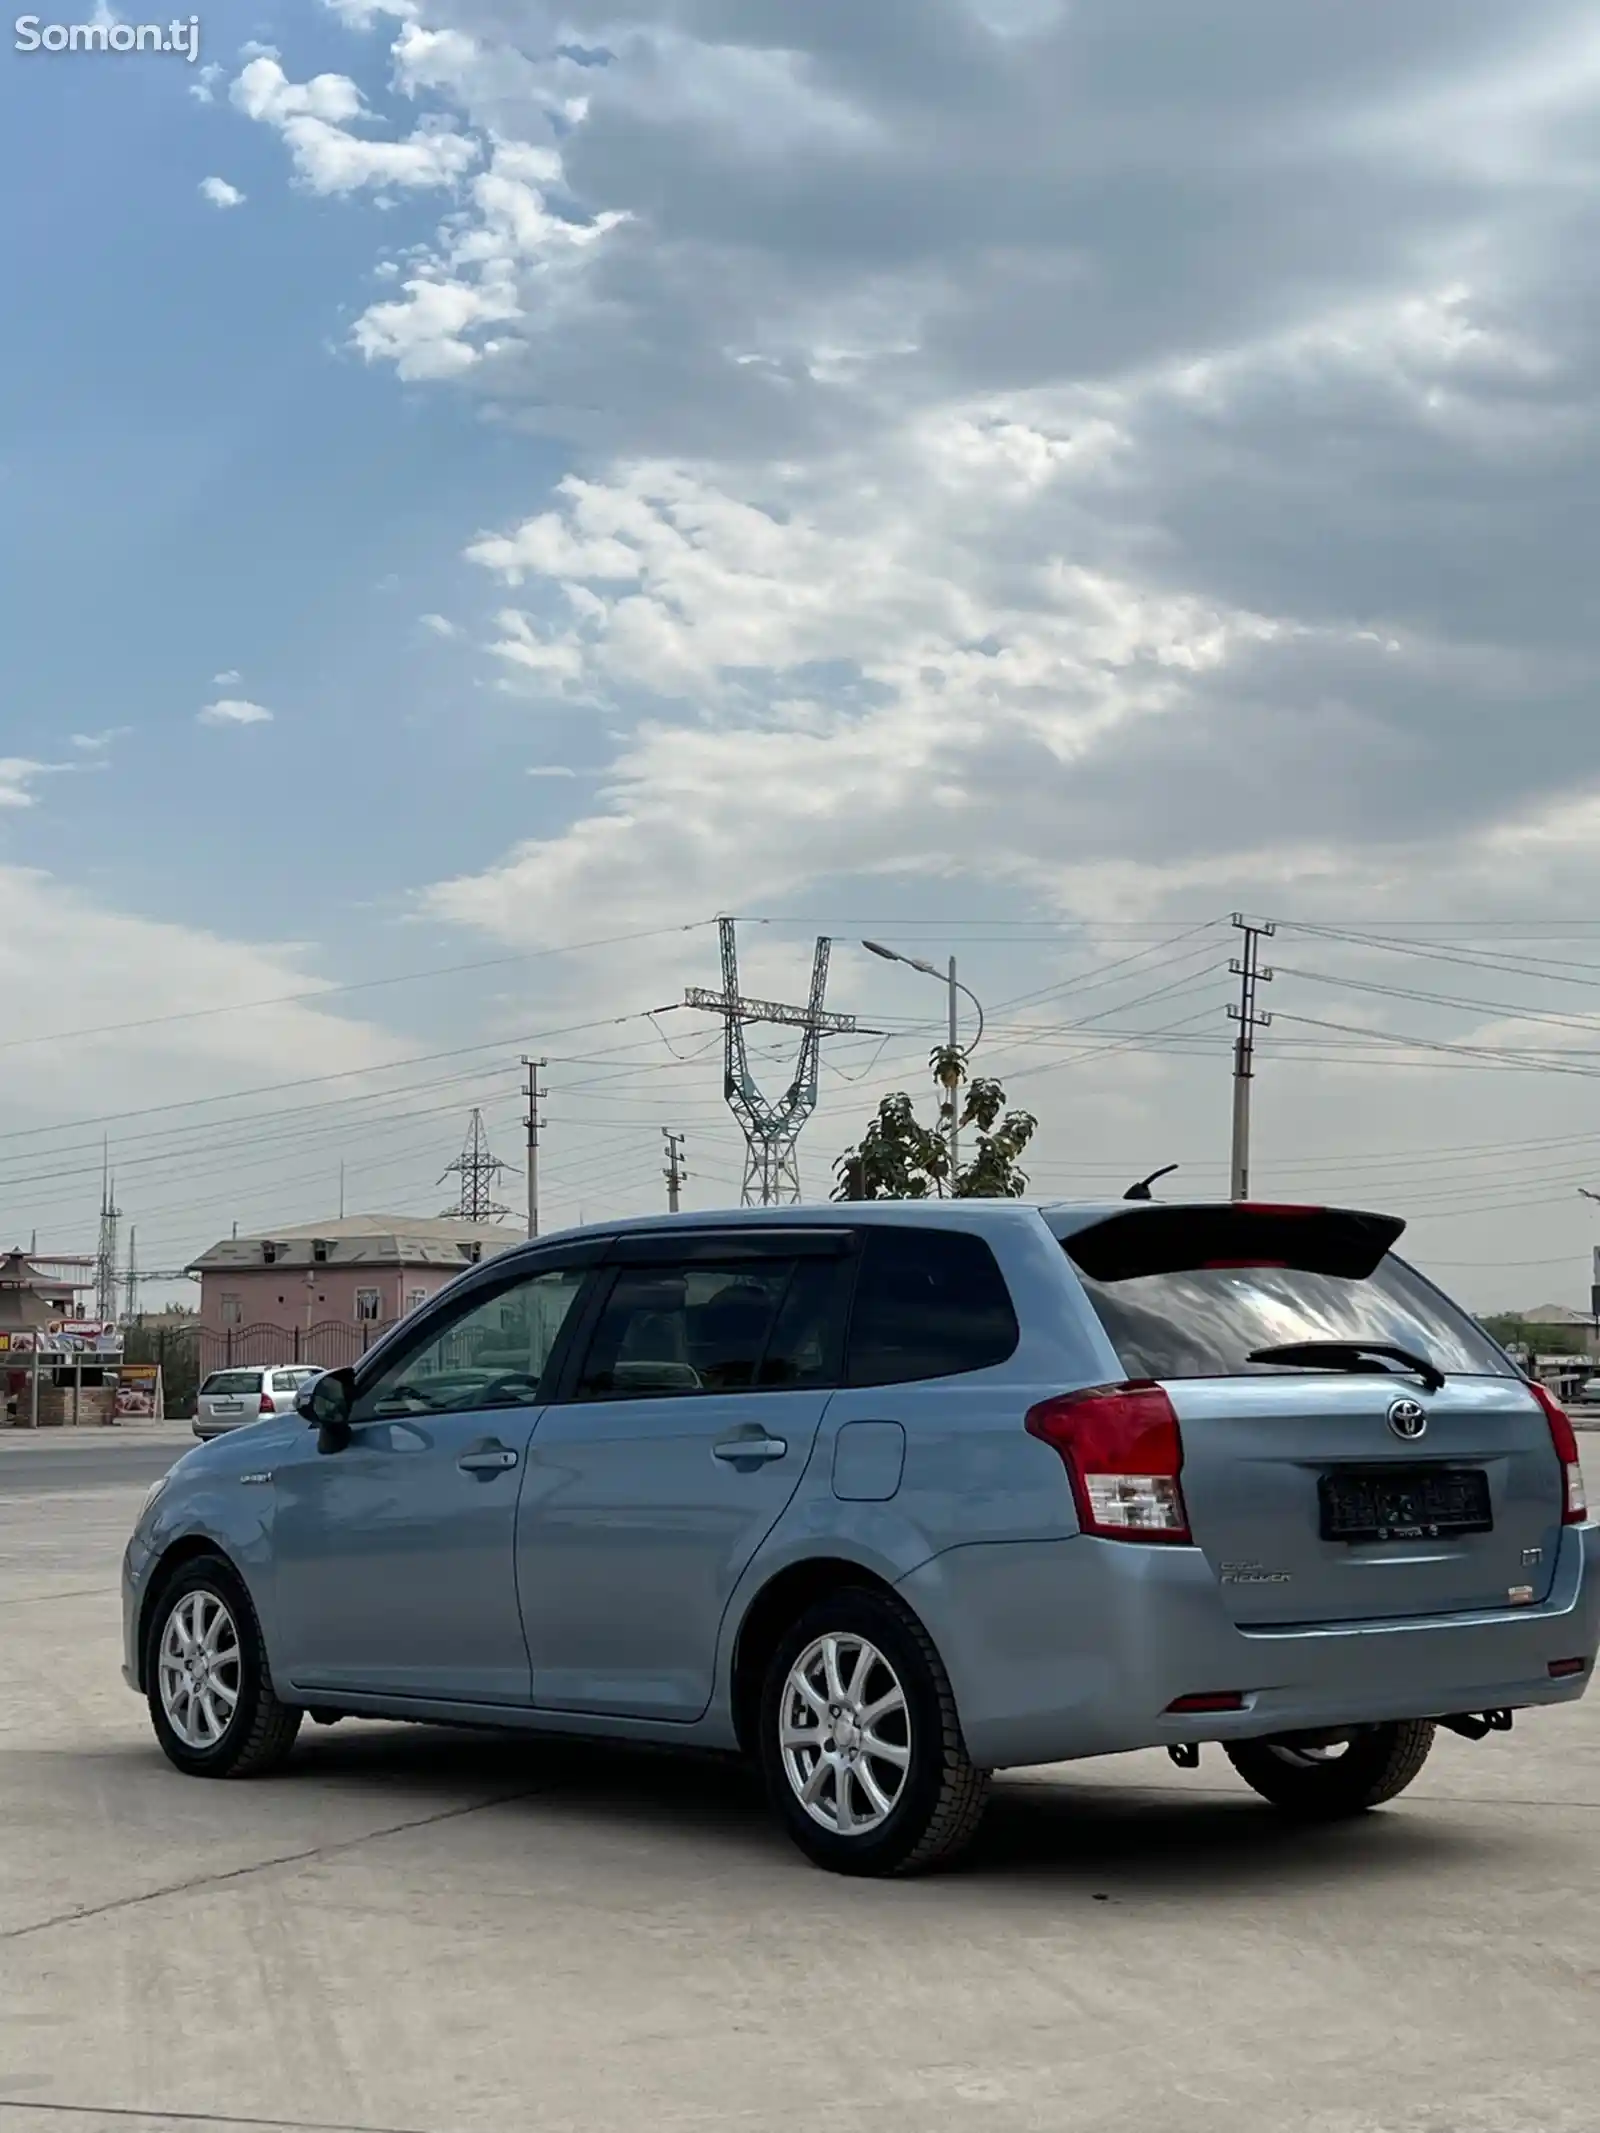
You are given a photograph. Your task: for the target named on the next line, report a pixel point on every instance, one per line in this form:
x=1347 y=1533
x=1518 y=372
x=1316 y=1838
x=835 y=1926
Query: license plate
x=1404 y=1503
x=227 y=1407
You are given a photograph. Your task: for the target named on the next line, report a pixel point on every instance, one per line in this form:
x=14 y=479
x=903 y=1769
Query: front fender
x=224 y=1507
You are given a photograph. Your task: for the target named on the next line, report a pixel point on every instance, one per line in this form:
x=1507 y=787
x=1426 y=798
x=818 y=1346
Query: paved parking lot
x=433 y=1933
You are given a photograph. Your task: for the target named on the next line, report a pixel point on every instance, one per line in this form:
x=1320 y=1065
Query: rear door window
x=1207 y=1318
x=231 y=1383
x=703 y=1328
x=929 y=1303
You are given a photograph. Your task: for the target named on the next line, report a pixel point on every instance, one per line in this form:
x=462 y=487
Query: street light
x=954 y=985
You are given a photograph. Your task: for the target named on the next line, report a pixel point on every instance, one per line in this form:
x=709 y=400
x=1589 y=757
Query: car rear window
x=1205 y=1319
x=232 y=1381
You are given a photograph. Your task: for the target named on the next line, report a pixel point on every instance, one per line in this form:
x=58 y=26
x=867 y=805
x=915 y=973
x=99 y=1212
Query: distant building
x=32 y=1295
x=1558 y=1326
x=326 y=1289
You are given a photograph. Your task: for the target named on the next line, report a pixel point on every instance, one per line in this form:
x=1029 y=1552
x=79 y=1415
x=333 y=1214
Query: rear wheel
x=210 y=1694
x=1323 y=1782
x=860 y=1742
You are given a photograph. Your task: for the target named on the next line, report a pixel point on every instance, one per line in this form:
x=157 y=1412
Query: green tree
x=899 y=1158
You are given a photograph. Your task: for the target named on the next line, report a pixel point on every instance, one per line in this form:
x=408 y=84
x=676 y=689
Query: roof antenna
x=1141 y=1191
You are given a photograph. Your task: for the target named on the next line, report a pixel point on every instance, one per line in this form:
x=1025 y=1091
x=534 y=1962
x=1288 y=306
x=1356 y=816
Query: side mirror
x=325 y=1403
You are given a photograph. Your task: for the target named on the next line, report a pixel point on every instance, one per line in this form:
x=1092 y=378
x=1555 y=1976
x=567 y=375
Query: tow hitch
x=1476 y=1725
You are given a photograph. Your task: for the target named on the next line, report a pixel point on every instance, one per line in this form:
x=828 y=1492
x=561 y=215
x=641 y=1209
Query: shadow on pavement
x=1064 y=1834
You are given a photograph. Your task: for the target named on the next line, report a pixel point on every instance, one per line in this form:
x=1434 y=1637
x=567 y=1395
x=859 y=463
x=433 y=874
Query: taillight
x=1122 y=1452
x=264 y=1405
x=1574 y=1503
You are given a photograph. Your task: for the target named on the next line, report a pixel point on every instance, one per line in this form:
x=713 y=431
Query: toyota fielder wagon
x=891 y=1496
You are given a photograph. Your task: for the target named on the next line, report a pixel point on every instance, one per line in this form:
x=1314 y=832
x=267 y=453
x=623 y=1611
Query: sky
x=485 y=489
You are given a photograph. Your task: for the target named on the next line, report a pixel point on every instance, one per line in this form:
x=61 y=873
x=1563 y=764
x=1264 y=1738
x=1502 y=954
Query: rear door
x=685 y=1425
x=1318 y=1495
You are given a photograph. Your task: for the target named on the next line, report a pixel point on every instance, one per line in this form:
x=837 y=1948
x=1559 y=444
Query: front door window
x=492 y=1355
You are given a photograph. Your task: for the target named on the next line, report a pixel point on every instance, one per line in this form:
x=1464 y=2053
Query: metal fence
x=188 y=1354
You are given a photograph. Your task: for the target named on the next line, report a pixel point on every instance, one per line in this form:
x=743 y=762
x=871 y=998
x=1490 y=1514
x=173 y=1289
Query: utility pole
x=674 y=1172
x=533 y=1122
x=341 y=1192
x=955 y=1086
x=1247 y=968
x=130 y=1309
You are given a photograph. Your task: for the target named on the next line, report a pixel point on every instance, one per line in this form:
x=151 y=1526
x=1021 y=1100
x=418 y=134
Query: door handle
x=497 y=1459
x=735 y=1450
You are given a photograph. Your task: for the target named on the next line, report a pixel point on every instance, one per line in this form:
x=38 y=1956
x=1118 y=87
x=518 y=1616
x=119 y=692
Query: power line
x=328 y=992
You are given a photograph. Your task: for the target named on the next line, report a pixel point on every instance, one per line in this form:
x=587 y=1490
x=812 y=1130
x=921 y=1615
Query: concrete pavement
x=47 y=1462
x=416 y=1932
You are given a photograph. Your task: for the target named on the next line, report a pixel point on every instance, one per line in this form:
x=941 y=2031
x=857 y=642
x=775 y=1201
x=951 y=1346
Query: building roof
x=361 y=1240
x=28 y=1298
x=1555 y=1315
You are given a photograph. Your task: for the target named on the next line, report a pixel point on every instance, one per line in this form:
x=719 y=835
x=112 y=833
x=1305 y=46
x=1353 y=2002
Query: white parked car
x=230 y=1398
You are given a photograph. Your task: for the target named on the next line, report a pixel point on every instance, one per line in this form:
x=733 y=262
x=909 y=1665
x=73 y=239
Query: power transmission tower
x=674 y=1172
x=130 y=1290
x=105 y=1258
x=477 y=1169
x=771 y=1130
x=534 y=1123
x=1247 y=968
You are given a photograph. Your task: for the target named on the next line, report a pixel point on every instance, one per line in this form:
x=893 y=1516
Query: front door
x=394 y=1558
x=691 y=1416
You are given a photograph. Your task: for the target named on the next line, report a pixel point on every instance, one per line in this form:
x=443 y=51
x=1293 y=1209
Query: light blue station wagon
x=888 y=1497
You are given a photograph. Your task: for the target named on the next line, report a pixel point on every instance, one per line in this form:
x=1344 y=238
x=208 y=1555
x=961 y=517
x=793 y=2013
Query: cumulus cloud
x=440 y=626
x=220 y=193
x=98 y=743
x=314 y=119
x=226 y=678
x=18 y=775
x=997 y=399
x=234 y=711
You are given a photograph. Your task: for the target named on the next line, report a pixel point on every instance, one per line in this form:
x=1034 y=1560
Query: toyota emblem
x=1407 y=1418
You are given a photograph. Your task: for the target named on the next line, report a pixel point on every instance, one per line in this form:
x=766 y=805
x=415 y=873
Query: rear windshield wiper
x=1352 y=1355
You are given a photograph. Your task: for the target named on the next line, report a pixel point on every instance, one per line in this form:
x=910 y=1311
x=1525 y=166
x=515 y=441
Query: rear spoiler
x=1172 y=1240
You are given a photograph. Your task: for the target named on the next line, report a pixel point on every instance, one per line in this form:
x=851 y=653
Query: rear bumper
x=1059 y=1649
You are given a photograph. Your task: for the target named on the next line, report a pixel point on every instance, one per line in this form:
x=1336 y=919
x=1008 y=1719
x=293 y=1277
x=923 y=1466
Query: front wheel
x=861 y=1744
x=1326 y=1782
x=206 y=1679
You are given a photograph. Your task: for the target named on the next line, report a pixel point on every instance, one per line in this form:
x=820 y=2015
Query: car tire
x=1317 y=1785
x=911 y=1799
x=220 y=1717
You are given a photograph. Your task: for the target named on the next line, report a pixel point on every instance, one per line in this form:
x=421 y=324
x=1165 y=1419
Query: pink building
x=321 y=1292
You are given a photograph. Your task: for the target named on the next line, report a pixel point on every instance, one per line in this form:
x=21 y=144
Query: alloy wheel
x=199 y=1669
x=845 y=1734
